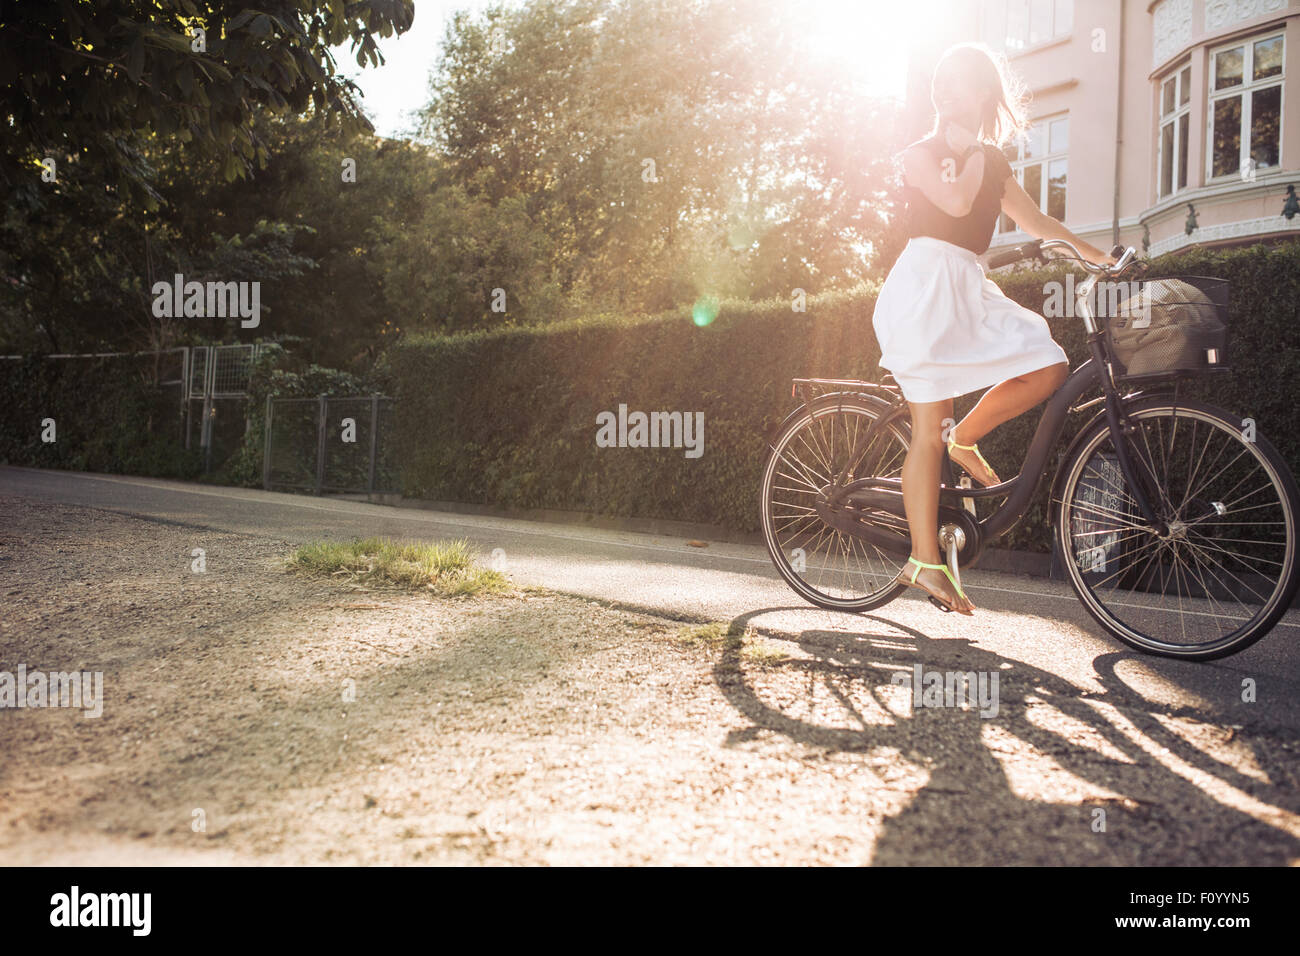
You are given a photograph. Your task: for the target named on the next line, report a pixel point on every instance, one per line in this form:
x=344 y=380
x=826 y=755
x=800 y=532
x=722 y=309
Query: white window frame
x=1180 y=110
x=1243 y=90
x=1045 y=160
x=1000 y=8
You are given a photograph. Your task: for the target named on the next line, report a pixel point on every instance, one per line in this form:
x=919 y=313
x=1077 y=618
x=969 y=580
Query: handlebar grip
x=1027 y=251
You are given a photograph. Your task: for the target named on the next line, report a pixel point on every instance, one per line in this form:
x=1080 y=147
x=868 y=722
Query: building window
x=1039 y=162
x=1245 y=114
x=1175 y=120
x=1015 y=25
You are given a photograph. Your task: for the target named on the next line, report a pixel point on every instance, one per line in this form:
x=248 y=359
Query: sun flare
x=869 y=38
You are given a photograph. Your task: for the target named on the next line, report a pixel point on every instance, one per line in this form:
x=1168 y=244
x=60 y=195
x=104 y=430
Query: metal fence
x=168 y=368
x=202 y=376
x=328 y=444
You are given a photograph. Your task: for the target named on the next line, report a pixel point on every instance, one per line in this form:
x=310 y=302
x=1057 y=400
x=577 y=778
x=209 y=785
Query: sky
x=400 y=87
x=864 y=34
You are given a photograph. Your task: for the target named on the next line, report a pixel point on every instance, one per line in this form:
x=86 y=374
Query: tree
x=91 y=80
x=767 y=172
x=668 y=148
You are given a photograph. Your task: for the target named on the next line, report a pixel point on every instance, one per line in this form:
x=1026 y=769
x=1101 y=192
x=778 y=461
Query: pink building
x=1150 y=119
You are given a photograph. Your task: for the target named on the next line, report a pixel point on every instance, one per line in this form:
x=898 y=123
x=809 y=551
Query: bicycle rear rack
x=809 y=390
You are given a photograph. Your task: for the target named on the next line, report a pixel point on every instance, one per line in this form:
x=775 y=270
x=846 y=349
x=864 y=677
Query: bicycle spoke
x=829 y=447
x=1208 y=575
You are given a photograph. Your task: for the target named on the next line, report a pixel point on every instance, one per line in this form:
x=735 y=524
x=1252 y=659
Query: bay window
x=1015 y=25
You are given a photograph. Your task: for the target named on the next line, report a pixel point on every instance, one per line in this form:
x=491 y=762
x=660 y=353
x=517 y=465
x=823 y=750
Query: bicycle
x=1153 y=495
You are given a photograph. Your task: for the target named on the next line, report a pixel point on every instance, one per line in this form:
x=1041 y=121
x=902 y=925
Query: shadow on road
x=1024 y=785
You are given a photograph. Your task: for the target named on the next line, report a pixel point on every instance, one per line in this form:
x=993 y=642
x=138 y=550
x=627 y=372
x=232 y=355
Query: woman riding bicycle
x=944 y=328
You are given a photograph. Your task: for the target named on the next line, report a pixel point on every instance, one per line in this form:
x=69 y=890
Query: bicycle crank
x=951 y=541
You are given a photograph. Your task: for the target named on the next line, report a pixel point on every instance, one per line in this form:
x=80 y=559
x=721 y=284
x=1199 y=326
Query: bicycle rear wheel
x=825 y=566
x=1224 y=571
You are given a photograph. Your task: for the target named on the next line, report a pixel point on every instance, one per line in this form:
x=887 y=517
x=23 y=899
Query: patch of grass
x=745 y=640
x=764 y=653
x=713 y=636
x=444 y=567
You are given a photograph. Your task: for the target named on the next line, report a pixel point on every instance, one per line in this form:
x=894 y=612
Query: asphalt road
x=1034 y=620
x=1208 y=758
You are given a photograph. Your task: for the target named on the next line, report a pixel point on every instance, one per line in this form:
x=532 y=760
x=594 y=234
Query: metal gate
x=215 y=373
x=327 y=444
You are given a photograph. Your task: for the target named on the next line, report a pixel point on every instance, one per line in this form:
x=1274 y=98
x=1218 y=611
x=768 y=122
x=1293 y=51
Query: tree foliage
x=668 y=148
x=576 y=157
x=89 y=79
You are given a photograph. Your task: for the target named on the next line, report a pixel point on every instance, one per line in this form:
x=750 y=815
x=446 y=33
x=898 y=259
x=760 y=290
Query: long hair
x=1003 y=115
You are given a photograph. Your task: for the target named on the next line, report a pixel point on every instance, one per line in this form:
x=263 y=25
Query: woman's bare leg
x=1002 y=403
x=921 y=497
x=1006 y=400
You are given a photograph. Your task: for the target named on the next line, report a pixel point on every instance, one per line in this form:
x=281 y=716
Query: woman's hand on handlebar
x=1095 y=255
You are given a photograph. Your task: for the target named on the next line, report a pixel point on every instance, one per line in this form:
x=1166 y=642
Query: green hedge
x=107 y=416
x=509 y=417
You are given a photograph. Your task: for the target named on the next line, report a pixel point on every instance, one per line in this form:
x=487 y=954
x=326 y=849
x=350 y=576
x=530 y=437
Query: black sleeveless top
x=974 y=230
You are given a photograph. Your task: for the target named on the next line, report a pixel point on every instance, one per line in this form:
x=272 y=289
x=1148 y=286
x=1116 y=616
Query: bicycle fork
x=1136 y=475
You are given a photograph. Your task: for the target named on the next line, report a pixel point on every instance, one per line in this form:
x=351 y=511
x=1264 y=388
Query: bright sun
x=870 y=38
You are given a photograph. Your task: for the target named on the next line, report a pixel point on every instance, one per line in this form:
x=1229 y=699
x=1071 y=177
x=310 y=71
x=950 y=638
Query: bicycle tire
x=869 y=409
x=1066 y=515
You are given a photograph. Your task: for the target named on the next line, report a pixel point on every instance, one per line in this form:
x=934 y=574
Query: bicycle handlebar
x=1030 y=250
x=1035 y=250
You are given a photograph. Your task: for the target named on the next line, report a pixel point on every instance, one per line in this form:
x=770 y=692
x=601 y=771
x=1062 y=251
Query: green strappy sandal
x=942 y=567
x=952 y=443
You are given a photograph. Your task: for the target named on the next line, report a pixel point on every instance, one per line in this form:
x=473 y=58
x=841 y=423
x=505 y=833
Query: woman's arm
x=954 y=195
x=1017 y=204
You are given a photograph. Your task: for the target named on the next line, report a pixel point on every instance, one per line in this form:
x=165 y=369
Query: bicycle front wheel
x=1222 y=572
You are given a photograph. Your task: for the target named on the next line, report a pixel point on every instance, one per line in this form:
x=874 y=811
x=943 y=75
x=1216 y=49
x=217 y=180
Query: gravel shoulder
x=254 y=716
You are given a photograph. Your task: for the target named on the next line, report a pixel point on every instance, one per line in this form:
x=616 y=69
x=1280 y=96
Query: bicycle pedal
x=939 y=604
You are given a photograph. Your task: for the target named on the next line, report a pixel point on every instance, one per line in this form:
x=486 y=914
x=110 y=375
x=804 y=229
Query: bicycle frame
x=885 y=494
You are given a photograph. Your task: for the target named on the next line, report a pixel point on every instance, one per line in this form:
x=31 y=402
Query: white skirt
x=946 y=329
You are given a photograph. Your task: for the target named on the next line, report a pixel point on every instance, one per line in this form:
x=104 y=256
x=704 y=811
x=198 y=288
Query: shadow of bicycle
x=1044 y=773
